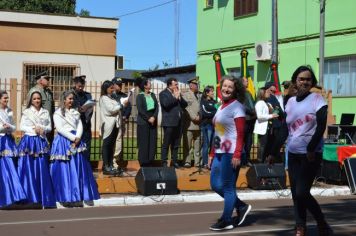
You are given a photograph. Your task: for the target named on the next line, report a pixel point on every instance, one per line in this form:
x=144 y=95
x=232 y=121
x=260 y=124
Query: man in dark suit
x=173 y=105
x=80 y=98
x=277 y=134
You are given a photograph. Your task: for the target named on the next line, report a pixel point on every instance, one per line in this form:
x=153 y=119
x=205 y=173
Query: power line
x=146 y=9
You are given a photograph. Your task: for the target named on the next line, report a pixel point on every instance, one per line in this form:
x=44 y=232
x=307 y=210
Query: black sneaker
x=221 y=225
x=243 y=211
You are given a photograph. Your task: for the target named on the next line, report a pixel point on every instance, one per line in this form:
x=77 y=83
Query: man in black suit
x=278 y=132
x=173 y=105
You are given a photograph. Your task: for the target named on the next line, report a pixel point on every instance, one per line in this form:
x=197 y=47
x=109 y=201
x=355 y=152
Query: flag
x=219 y=73
x=275 y=77
x=245 y=73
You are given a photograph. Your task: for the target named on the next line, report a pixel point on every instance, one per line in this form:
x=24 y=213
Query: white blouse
x=6 y=117
x=70 y=122
x=109 y=114
x=31 y=118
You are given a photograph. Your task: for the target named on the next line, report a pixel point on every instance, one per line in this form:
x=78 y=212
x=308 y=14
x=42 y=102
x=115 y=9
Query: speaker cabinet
x=331 y=171
x=350 y=170
x=266 y=177
x=156 y=181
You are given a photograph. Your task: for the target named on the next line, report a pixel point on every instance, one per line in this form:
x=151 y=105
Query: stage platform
x=189 y=179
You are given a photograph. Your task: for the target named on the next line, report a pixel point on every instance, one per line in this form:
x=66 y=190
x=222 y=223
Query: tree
x=43 y=6
x=84 y=12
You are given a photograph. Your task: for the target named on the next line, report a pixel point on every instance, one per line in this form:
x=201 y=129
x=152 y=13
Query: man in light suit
x=191 y=132
x=172 y=106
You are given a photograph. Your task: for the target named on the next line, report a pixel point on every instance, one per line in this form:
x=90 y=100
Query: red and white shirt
x=225 y=127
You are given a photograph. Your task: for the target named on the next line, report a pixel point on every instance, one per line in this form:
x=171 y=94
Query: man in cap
x=191 y=132
x=118 y=95
x=276 y=139
x=42 y=86
x=86 y=112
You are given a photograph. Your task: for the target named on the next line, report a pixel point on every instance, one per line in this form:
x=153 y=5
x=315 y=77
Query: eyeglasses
x=304 y=79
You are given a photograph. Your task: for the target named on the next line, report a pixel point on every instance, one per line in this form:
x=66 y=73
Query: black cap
x=117 y=80
x=43 y=74
x=194 y=80
x=268 y=85
x=286 y=84
x=79 y=79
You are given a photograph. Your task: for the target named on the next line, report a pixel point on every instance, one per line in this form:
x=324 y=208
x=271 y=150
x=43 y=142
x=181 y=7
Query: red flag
x=275 y=77
x=219 y=72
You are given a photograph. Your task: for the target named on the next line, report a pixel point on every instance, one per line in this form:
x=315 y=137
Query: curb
x=194 y=197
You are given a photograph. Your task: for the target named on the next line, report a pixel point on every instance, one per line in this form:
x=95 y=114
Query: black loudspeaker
x=266 y=177
x=350 y=170
x=156 y=181
x=332 y=172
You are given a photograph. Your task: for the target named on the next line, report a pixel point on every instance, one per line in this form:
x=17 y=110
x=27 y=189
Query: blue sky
x=147 y=38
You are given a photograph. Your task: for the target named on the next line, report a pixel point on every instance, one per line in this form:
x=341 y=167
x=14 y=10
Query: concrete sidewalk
x=209 y=196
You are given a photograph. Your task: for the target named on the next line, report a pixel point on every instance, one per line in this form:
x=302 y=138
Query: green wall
x=298 y=32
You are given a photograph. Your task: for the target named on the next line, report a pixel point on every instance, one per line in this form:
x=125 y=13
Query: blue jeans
x=207 y=131
x=223 y=179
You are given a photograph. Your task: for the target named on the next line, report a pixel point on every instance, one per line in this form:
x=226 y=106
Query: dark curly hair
x=239 y=91
x=104 y=87
x=301 y=69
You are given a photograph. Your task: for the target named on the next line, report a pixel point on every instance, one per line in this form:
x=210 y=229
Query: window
x=245 y=7
x=340 y=76
x=209 y=3
x=61 y=81
x=236 y=72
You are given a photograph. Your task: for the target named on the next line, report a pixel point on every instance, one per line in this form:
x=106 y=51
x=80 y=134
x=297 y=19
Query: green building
x=228 y=26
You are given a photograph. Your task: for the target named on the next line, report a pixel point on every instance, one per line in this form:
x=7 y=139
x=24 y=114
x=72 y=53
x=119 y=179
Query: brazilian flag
x=245 y=73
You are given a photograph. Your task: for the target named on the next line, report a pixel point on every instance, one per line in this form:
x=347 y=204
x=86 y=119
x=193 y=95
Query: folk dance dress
x=70 y=169
x=33 y=164
x=10 y=186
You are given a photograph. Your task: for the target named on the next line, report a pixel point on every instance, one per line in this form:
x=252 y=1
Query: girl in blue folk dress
x=10 y=187
x=33 y=164
x=70 y=169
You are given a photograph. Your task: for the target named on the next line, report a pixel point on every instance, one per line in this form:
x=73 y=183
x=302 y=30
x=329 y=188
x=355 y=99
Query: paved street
x=268 y=217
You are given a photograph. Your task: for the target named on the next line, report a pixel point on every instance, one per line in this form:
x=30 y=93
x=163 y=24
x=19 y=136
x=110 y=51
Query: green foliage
x=136 y=74
x=42 y=6
x=84 y=12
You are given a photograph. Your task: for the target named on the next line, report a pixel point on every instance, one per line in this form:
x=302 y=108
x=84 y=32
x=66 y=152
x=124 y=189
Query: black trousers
x=264 y=148
x=301 y=175
x=147 y=144
x=108 y=148
x=171 y=139
x=249 y=126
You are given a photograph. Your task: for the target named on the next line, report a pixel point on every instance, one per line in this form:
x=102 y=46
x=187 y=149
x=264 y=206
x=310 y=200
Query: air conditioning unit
x=119 y=62
x=263 y=51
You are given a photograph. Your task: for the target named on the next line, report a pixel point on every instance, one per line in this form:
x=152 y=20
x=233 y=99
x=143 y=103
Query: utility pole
x=321 y=42
x=274 y=33
x=176 y=33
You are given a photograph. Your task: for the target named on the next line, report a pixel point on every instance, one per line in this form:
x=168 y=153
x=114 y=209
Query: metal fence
x=18 y=92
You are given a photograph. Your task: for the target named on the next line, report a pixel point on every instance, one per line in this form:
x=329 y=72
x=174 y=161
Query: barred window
x=245 y=7
x=61 y=81
x=340 y=76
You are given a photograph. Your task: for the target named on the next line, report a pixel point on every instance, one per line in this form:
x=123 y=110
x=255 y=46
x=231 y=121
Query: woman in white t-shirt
x=225 y=157
x=306 y=120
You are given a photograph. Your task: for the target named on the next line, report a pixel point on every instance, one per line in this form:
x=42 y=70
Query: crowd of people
x=45 y=169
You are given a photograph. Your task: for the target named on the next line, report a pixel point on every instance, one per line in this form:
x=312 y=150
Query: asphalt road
x=268 y=217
